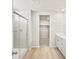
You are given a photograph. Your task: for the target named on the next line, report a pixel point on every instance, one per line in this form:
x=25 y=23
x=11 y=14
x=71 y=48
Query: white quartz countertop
x=62 y=35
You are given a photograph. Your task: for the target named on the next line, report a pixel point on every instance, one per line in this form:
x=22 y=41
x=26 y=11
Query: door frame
x=43 y=13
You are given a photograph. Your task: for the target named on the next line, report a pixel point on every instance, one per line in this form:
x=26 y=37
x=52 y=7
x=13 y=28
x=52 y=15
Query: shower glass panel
x=20 y=32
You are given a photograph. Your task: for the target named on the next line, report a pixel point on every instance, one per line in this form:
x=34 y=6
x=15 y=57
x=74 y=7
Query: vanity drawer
x=61 y=44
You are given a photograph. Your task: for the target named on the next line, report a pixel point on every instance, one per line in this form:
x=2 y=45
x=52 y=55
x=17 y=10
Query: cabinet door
x=61 y=44
x=63 y=47
x=58 y=42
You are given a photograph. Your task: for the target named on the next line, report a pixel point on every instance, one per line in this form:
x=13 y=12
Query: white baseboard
x=39 y=46
x=52 y=46
x=35 y=46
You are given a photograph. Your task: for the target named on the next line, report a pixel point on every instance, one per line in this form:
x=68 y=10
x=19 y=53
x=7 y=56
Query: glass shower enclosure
x=20 y=35
x=20 y=31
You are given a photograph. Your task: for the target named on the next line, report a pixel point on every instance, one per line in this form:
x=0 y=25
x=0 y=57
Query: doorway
x=44 y=30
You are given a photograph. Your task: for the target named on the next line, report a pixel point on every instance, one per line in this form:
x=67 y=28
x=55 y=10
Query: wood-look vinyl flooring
x=43 y=53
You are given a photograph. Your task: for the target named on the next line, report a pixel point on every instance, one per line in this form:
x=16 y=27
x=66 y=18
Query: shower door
x=23 y=33
x=20 y=32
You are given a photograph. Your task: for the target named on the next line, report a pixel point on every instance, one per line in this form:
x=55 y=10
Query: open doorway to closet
x=44 y=26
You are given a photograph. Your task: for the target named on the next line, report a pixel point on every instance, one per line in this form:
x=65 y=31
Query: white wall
x=60 y=22
x=52 y=32
x=57 y=25
x=35 y=29
x=39 y=5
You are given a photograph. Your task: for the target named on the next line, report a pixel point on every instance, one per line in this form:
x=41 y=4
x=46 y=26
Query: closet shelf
x=44 y=25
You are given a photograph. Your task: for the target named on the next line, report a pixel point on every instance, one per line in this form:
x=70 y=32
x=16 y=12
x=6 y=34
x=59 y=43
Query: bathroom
x=38 y=24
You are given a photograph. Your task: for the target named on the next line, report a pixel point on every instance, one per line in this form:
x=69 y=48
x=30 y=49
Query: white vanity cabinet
x=61 y=44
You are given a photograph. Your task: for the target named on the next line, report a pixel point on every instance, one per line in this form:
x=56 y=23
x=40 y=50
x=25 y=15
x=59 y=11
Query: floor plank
x=43 y=53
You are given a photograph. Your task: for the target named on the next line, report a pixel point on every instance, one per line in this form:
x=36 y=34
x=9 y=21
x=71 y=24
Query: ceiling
x=40 y=5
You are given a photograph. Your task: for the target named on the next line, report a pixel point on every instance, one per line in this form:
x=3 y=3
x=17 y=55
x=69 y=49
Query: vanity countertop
x=62 y=35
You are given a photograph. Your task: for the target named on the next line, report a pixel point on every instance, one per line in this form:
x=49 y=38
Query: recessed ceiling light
x=62 y=10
